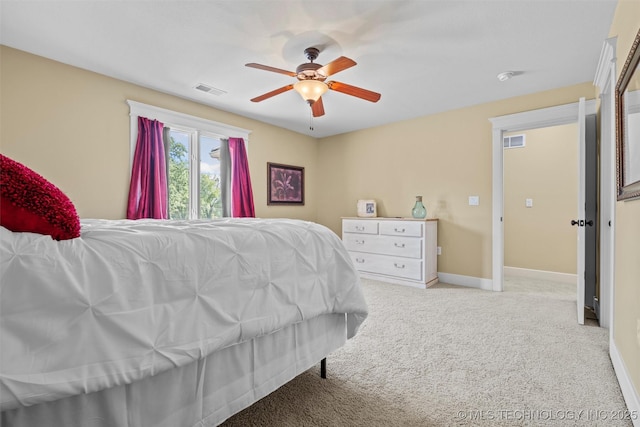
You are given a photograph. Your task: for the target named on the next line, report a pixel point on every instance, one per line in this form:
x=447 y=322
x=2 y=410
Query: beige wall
x=546 y=171
x=626 y=333
x=444 y=157
x=72 y=127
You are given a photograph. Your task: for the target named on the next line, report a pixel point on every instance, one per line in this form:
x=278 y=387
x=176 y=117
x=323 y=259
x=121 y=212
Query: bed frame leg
x=323 y=368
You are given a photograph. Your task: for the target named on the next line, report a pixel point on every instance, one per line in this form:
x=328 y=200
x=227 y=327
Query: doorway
x=540 y=199
x=546 y=117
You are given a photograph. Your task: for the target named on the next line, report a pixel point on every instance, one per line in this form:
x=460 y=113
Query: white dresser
x=396 y=250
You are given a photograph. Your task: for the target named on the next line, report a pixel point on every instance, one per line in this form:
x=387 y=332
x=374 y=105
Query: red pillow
x=28 y=202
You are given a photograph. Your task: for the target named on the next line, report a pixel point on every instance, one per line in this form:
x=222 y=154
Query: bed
x=167 y=323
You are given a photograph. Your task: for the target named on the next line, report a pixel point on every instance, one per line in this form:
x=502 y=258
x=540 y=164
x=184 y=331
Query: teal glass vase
x=419 y=211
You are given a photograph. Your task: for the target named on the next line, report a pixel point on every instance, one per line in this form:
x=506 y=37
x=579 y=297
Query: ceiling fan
x=311 y=83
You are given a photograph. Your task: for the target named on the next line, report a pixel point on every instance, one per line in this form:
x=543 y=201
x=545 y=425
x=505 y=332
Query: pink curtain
x=241 y=192
x=148 y=188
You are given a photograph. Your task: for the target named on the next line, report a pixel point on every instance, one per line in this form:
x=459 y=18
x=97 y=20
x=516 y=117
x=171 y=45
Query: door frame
x=534 y=119
x=605 y=79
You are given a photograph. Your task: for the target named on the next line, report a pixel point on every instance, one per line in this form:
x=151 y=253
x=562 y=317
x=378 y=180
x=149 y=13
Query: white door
x=581 y=215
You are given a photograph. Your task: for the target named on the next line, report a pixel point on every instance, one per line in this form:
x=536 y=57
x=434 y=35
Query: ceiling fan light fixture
x=310 y=90
x=503 y=77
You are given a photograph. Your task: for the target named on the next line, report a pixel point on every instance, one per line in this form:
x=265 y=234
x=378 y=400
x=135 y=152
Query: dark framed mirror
x=628 y=125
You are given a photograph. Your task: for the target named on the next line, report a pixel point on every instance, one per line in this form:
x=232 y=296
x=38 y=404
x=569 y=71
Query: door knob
x=582 y=222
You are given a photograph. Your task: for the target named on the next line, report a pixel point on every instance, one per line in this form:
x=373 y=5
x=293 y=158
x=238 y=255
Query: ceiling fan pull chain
x=310 y=119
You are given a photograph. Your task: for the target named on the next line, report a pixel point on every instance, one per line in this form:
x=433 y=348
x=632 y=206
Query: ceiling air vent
x=209 y=89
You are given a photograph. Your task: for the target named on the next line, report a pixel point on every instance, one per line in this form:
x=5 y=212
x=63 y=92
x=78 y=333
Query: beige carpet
x=454 y=356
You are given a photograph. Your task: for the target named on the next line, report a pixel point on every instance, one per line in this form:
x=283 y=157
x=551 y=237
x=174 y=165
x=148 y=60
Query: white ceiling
x=423 y=56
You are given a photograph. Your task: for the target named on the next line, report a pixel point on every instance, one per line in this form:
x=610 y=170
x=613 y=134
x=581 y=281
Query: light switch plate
x=528 y=203
x=474 y=200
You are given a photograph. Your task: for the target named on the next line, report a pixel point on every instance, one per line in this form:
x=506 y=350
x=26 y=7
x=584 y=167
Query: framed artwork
x=285 y=184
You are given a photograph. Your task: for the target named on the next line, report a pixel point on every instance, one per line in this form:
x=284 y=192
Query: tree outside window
x=205 y=198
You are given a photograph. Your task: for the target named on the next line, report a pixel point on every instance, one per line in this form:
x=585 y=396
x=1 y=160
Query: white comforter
x=129 y=299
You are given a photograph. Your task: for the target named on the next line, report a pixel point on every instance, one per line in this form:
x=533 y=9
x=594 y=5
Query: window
x=514 y=141
x=194 y=174
x=193 y=160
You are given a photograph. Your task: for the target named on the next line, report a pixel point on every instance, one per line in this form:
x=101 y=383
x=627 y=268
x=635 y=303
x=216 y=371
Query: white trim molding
x=553 y=276
x=629 y=393
x=543 y=117
x=605 y=80
x=607 y=58
x=468 y=281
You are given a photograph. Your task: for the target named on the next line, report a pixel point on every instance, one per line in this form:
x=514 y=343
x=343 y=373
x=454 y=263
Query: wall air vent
x=515 y=141
x=209 y=89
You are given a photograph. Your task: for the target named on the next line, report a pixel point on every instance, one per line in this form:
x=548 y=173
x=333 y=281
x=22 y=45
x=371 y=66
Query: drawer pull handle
x=359 y=228
x=359 y=242
x=399 y=245
x=399 y=230
x=398 y=265
x=359 y=260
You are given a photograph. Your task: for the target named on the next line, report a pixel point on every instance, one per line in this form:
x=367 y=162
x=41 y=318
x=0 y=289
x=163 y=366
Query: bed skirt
x=203 y=393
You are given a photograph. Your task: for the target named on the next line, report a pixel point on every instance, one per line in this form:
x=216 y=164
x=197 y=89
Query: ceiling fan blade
x=354 y=91
x=317 y=108
x=272 y=93
x=267 y=68
x=336 y=66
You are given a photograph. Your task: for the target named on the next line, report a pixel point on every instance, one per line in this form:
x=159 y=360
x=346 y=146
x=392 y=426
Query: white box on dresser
x=396 y=250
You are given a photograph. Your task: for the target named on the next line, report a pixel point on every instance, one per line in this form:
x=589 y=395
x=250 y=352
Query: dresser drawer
x=402 y=228
x=359 y=226
x=406 y=268
x=409 y=247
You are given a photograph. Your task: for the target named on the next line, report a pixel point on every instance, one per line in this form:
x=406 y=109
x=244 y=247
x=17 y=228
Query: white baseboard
x=541 y=274
x=630 y=394
x=389 y=279
x=468 y=281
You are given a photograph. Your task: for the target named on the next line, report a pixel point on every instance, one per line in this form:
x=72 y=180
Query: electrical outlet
x=439 y=250
x=528 y=203
x=474 y=200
